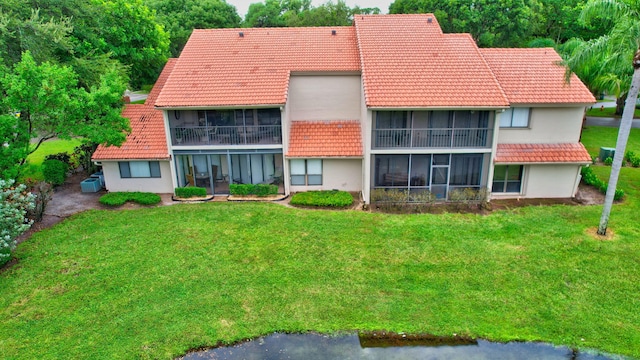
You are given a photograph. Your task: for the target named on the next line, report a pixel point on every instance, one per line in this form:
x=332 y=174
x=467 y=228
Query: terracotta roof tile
x=325 y=139
x=147 y=139
x=162 y=80
x=218 y=67
x=542 y=153
x=408 y=62
x=533 y=76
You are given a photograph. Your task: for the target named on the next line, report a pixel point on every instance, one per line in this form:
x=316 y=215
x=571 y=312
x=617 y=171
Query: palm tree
x=620 y=52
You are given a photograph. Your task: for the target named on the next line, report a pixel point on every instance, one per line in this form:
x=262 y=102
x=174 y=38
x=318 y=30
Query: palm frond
x=610 y=9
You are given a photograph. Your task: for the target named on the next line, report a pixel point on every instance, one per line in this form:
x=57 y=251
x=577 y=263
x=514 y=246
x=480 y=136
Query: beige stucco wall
x=546 y=126
x=324 y=97
x=547 y=181
x=340 y=174
x=161 y=185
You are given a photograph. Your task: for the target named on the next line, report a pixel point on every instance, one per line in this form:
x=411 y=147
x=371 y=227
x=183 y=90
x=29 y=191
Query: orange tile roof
x=325 y=139
x=160 y=83
x=408 y=62
x=218 y=67
x=542 y=153
x=147 y=139
x=533 y=76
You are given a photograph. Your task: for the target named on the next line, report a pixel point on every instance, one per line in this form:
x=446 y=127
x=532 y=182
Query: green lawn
x=113 y=284
x=608 y=112
x=34 y=169
x=594 y=137
x=154 y=282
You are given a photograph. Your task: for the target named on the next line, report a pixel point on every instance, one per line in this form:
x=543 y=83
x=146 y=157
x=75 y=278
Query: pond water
x=376 y=346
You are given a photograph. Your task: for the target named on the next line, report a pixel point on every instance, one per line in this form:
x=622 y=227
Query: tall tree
x=90 y=35
x=44 y=101
x=490 y=22
x=180 y=17
x=621 y=49
x=274 y=13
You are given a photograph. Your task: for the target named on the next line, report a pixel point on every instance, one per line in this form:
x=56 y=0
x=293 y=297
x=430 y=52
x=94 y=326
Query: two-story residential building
x=390 y=102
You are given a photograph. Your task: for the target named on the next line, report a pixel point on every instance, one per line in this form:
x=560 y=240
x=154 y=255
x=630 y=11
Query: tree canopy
x=508 y=23
x=277 y=13
x=42 y=101
x=180 y=17
x=88 y=35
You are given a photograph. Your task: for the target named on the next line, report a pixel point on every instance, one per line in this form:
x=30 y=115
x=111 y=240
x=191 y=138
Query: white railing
x=432 y=138
x=226 y=135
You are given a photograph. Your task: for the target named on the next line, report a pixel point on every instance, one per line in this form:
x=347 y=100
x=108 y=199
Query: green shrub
x=608 y=161
x=191 y=191
x=119 y=198
x=632 y=158
x=15 y=202
x=251 y=189
x=54 y=171
x=332 y=198
x=589 y=178
x=61 y=156
x=629 y=155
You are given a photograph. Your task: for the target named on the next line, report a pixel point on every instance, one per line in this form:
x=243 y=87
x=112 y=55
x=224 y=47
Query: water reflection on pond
x=374 y=347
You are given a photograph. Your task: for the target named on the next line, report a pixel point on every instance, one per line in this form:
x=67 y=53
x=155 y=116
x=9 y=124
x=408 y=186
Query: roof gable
x=147 y=139
x=408 y=62
x=220 y=67
x=534 y=76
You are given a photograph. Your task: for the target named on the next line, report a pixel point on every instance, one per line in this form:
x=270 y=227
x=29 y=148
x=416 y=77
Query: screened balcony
x=225 y=127
x=432 y=138
x=227 y=135
x=432 y=129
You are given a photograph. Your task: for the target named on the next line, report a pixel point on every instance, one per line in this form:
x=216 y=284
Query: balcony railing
x=432 y=138
x=227 y=135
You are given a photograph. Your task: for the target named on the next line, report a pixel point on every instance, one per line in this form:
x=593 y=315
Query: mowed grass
x=594 y=137
x=34 y=167
x=153 y=283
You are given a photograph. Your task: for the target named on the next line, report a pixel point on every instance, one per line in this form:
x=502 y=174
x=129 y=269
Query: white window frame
x=305 y=172
x=518 y=114
x=506 y=180
x=139 y=169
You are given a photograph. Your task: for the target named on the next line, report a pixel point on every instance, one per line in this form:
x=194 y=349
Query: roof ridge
x=493 y=74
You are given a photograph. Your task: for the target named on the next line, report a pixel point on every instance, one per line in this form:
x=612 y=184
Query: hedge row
x=253 y=189
x=592 y=179
x=119 y=198
x=332 y=198
x=191 y=191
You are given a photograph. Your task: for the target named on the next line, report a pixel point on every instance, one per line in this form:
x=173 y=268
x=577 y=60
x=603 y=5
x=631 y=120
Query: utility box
x=606 y=152
x=90 y=185
x=100 y=176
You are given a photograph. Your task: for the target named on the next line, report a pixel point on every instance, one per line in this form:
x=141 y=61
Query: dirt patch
x=589 y=195
x=68 y=199
x=593 y=232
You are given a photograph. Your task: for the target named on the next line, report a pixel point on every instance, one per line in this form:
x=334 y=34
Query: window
x=139 y=169
x=306 y=172
x=507 y=179
x=515 y=118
